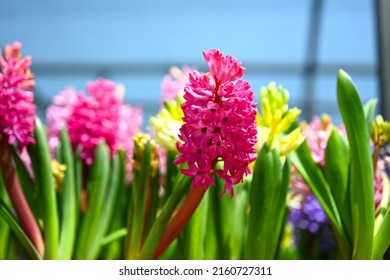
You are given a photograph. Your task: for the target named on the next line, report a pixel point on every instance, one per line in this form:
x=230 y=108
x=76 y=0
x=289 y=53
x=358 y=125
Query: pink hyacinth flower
x=90 y=119
x=174 y=82
x=17 y=111
x=95 y=118
x=57 y=116
x=130 y=121
x=220 y=124
x=317 y=137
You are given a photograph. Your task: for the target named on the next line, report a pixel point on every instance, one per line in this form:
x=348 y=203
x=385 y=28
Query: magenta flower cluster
x=17 y=111
x=219 y=132
x=99 y=116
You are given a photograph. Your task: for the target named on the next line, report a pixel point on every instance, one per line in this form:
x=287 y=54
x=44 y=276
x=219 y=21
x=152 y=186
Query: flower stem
x=17 y=197
x=181 y=188
x=179 y=220
x=375 y=156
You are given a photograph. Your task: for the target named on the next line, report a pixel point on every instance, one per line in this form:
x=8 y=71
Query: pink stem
x=180 y=219
x=17 y=197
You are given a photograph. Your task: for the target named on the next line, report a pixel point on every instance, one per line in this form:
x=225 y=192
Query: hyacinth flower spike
x=99 y=128
x=17 y=116
x=218 y=134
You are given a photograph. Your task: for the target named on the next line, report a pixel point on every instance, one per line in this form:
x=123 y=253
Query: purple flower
x=311 y=217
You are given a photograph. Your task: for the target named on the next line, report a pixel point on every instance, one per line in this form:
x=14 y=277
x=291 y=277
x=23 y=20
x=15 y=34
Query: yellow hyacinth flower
x=167 y=124
x=380 y=131
x=58 y=171
x=276 y=120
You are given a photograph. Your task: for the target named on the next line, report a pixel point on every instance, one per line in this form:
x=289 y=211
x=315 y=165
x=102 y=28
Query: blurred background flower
x=100 y=115
x=17 y=110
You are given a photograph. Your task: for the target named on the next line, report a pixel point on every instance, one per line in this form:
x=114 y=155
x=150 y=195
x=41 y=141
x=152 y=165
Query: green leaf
x=7 y=215
x=153 y=201
x=78 y=177
x=69 y=210
x=117 y=181
x=212 y=238
x=15 y=249
x=115 y=250
x=369 y=112
x=337 y=164
x=139 y=196
x=382 y=240
x=171 y=174
x=196 y=231
x=120 y=233
x=4 y=228
x=41 y=162
x=362 y=175
x=312 y=174
x=267 y=200
x=221 y=215
x=237 y=227
x=96 y=185
x=180 y=189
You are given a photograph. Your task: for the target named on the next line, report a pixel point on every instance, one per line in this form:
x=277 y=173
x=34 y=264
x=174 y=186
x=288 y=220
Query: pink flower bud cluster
x=99 y=116
x=219 y=132
x=17 y=111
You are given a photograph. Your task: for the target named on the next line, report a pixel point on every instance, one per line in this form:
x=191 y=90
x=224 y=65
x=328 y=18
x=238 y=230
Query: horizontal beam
x=107 y=68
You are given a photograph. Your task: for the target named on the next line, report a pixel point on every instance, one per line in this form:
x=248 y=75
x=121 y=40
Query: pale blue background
x=135 y=43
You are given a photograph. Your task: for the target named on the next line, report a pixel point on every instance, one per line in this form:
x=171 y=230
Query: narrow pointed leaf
x=221 y=211
x=337 y=163
x=97 y=185
x=4 y=228
x=265 y=195
x=369 y=112
x=382 y=240
x=120 y=233
x=197 y=229
x=153 y=202
x=78 y=177
x=362 y=174
x=115 y=250
x=117 y=181
x=67 y=200
x=7 y=215
x=313 y=176
x=237 y=226
x=171 y=174
x=151 y=242
x=41 y=162
x=139 y=196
